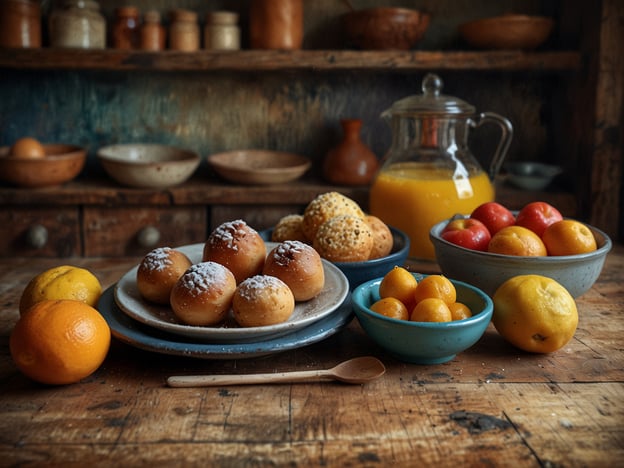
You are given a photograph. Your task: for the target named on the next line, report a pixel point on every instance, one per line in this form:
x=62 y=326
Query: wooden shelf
x=317 y=60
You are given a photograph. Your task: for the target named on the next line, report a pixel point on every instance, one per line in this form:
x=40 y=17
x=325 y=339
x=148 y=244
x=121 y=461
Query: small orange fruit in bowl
x=400 y=284
x=27 y=148
x=391 y=307
x=59 y=342
x=437 y=286
x=517 y=240
x=568 y=237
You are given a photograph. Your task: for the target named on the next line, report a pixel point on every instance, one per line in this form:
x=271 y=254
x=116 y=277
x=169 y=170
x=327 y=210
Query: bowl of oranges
x=493 y=244
x=422 y=319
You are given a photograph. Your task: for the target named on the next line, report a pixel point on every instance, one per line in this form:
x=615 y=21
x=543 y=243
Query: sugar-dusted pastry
x=159 y=271
x=262 y=300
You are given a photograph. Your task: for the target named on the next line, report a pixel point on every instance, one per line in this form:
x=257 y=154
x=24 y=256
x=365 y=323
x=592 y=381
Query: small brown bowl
x=507 y=32
x=61 y=164
x=385 y=28
x=259 y=167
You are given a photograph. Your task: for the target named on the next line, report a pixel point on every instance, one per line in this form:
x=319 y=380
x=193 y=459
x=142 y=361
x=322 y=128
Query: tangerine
x=518 y=241
x=438 y=286
x=431 y=309
x=568 y=237
x=534 y=313
x=59 y=342
x=460 y=311
x=400 y=284
x=391 y=307
x=62 y=282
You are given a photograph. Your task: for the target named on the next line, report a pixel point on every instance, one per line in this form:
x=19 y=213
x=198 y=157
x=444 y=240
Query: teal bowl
x=423 y=342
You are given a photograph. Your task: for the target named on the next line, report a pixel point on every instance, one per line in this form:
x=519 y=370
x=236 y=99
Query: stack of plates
x=144 y=325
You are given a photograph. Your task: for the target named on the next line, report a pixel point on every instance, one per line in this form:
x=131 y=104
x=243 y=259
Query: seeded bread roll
x=382 y=237
x=324 y=207
x=203 y=294
x=289 y=228
x=299 y=266
x=237 y=246
x=262 y=300
x=159 y=271
x=344 y=238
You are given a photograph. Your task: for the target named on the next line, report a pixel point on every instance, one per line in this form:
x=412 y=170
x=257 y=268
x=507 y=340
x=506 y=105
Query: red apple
x=467 y=232
x=537 y=216
x=494 y=215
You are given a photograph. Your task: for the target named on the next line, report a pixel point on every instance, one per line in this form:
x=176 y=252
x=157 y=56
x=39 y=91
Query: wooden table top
x=493 y=405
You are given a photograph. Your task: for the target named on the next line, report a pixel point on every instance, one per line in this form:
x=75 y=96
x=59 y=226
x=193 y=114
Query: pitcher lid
x=431 y=101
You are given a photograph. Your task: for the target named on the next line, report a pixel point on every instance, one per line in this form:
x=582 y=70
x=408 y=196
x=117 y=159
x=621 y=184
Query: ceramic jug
x=429 y=174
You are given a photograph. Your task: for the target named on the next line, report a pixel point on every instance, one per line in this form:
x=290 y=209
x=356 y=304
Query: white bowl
x=148 y=165
x=532 y=175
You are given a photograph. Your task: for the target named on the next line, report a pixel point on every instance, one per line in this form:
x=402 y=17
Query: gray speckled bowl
x=148 y=165
x=487 y=271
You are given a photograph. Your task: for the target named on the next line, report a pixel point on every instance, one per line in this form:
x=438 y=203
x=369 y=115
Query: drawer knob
x=149 y=237
x=37 y=236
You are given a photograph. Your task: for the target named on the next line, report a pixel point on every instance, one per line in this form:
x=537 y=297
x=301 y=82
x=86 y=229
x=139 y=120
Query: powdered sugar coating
x=204 y=276
x=158 y=259
x=284 y=253
x=258 y=285
x=227 y=234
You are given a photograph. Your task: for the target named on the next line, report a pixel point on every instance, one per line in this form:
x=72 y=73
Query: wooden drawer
x=40 y=232
x=117 y=232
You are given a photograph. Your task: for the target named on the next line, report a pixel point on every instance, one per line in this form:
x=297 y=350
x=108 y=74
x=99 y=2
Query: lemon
x=535 y=313
x=62 y=282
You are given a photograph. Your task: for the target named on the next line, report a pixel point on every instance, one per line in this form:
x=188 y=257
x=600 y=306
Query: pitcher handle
x=504 y=142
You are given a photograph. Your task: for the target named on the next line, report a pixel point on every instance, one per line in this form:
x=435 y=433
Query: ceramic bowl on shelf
x=487 y=271
x=532 y=175
x=259 y=167
x=423 y=342
x=385 y=28
x=510 y=31
x=360 y=272
x=148 y=165
x=60 y=164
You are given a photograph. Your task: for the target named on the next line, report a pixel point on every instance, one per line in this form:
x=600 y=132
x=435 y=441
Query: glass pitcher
x=429 y=173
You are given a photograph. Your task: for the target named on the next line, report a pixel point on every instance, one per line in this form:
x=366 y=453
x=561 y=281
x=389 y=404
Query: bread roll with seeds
x=382 y=237
x=289 y=228
x=325 y=207
x=344 y=238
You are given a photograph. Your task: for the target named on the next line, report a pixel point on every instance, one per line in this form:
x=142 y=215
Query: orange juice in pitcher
x=429 y=173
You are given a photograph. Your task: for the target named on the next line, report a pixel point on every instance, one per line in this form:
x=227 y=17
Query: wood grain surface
x=491 y=406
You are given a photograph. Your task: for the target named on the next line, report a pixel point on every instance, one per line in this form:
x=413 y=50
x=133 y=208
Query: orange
x=459 y=311
x=400 y=284
x=62 y=282
x=391 y=307
x=517 y=240
x=59 y=342
x=431 y=309
x=534 y=313
x=435 y=286
x=568 y=237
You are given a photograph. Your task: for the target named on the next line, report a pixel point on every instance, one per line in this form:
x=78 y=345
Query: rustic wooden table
x=491 y=406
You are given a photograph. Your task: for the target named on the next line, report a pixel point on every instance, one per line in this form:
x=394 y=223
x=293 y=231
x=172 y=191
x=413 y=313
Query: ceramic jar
x=276 y=24
x=153 y=33
x=221 y=31
x=184 y=31
x=20 y=24
x=78 y=24
x=351 y=162
x=125 y=29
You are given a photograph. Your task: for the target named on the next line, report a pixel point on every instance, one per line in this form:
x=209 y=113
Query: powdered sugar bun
x=159 y=271
x=237 y=246
x=262 y=300
x=299 y=266
x=203 y=294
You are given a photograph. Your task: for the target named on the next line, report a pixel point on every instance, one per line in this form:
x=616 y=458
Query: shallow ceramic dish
x=507 y=32
x=147 y=338
x=262 y=167
x=385 y=28
x=531 y=175
x=423 y=342
x=148 y=165
x=359 y=272
x=162 y=318
x=487 y=271
x=61 y=164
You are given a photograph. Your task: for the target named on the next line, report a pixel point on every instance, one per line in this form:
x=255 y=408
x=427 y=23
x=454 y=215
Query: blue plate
x=147 y=338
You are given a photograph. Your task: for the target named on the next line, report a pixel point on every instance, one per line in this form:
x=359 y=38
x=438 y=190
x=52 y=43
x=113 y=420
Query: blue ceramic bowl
x=423 y=342
x=359 y=272
x=487 y=271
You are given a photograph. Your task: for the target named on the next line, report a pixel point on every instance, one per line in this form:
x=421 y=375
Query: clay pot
x=276 y=24
x=351 y=162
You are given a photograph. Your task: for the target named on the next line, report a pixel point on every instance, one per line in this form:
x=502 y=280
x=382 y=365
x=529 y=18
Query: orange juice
x=415 y=196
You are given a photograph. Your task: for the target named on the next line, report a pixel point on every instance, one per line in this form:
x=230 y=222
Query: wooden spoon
x=354 y=371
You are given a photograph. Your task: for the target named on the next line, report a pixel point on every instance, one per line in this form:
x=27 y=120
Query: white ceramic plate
x=131 y=302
